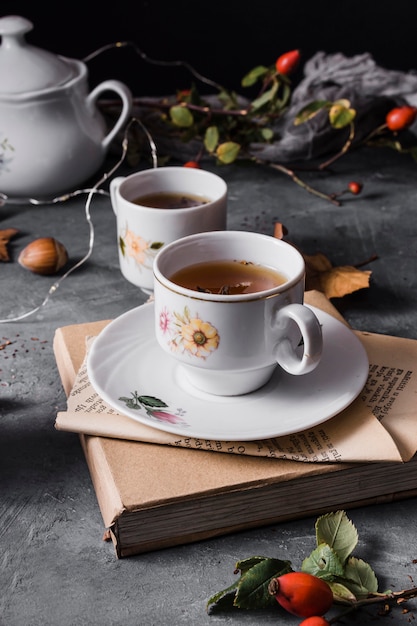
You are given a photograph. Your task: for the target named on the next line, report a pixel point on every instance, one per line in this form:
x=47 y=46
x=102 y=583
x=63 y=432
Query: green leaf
x=360 y=577
x=244 y=565
x=323 y=562
x=125 y=399
x=151 y=401
x=336 y=530
x=341 y=593
x=340 y=116
x=223 y=600
x=155 y=245
x=211 y=138
x=266 y=97
x=227 y=152
x=281 y=102
x=267 y=134
x=255 y=74
x=252 y=591
x=181 y=116
x=228 y=99
x=131 y=403
x=122 y=245
x=310 y=110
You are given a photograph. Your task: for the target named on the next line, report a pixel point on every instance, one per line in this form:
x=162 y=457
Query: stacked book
x=157 y=489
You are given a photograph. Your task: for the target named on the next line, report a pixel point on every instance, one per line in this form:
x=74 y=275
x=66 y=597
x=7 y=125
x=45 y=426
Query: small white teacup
x=229 y=307
x=146 y=220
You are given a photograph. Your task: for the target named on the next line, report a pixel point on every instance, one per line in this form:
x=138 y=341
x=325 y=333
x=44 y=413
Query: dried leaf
x=279 y=230
x=341 y=281
x=334 y=282
x=317 y=263
x=5 y=236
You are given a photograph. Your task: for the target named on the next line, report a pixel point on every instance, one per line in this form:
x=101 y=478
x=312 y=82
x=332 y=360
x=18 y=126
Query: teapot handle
x=127 y=103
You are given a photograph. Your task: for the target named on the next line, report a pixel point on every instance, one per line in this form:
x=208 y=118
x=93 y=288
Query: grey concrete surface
x=55 y=569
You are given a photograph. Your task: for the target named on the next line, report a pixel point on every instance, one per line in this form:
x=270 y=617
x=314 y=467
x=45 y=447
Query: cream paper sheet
x=380 y=425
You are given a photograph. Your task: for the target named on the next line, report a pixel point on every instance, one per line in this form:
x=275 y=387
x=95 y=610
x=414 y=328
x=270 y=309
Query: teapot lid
x=25 y=68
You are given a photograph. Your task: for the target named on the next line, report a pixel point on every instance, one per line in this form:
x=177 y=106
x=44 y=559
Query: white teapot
x=52 y=135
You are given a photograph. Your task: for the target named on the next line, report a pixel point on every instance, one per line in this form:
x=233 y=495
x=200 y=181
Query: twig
x=343 y=151
x=405 y=594
x=373 y=257
x=297 y=180
x=164 y=105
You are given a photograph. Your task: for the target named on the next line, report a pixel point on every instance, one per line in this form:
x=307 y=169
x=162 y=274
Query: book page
x=391 y=389
x=384 y=414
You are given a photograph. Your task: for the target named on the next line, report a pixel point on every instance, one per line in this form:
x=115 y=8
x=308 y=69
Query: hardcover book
x=156 y=490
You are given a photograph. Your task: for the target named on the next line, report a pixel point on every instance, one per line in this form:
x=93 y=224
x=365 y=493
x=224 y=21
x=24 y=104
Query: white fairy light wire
x=144 y=56
x=91 y=192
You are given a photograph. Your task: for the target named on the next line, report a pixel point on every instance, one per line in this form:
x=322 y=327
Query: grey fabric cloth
x=372 y=91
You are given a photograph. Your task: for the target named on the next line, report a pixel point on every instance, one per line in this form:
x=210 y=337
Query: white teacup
x=143 y=230
x=230 y=343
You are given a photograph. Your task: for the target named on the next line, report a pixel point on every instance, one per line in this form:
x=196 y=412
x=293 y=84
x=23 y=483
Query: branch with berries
x=331 y=579
x=228 y=127
x=228 y=138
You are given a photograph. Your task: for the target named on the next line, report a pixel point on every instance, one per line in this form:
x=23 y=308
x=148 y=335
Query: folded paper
x=379 y=425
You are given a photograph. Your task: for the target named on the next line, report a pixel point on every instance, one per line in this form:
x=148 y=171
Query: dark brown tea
x=170 y=200
x=228 y=277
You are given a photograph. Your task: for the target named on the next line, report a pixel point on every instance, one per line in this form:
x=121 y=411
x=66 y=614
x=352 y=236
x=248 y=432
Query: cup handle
x=114 y=186
x=127 y=103
x=285 y=352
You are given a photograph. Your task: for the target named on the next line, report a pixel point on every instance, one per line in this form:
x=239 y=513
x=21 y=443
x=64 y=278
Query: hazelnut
x=44 y=256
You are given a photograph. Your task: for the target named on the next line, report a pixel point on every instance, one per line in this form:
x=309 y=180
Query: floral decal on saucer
x=188 y=333
x=154 y=408
x=136 y=247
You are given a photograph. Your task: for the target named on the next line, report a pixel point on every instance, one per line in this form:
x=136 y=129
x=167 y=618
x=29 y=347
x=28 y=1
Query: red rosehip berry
x=355 y=187
x=192 y=164
x=302 y=594
x=288 y=62
x=183 y=94
x=315 y=620
x=401 y=117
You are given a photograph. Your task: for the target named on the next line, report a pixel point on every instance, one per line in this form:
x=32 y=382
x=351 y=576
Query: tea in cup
x=157 y=206
x=229 y=308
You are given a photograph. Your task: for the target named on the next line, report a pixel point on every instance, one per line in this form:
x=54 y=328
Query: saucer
x=130 y=371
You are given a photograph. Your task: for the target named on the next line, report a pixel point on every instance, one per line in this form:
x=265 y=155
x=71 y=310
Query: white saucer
x=133 y=375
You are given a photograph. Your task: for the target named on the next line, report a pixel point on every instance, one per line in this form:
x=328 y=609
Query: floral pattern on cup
x=188 y=333
x=154 y=408
x=136 y=247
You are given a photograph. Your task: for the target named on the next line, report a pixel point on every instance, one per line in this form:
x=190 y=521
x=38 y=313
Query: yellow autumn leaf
x=316 y=263
x=334 y=282
x=340 y=281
